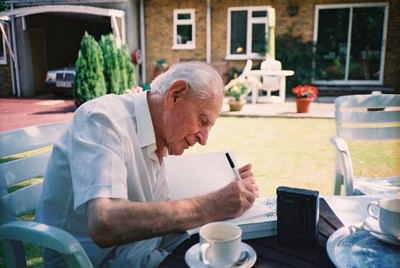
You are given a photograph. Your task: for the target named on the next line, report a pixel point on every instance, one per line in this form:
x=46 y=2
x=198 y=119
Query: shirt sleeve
x=96 y=159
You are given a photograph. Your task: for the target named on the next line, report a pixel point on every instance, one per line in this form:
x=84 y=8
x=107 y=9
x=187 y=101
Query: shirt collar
x=145 y=130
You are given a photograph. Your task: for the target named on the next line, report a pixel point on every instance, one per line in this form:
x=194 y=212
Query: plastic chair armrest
x=48 y=237
x=340 y=144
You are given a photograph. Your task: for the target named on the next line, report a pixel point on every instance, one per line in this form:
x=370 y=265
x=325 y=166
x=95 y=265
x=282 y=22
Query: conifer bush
x=102 y=68
x=89 y=78
x=112 y=71
x=127 y=69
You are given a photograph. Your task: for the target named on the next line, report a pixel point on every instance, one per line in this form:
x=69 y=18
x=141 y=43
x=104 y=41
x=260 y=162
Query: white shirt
x=108 y=150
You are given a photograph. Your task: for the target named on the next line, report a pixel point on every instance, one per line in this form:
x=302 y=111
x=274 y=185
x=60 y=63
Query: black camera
x=297 y=217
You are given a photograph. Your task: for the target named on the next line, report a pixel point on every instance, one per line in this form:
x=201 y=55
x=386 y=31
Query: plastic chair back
x=24 y=154
x=364 y=118
x=368 y=117
x=271 y=83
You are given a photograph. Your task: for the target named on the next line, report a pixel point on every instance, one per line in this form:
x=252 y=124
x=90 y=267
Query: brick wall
x=159 y=23
x=392 y=56
x=159 y=33
x=5 y=80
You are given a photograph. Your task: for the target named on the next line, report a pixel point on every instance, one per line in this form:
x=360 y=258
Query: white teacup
x=220 y=244
x=388 y=215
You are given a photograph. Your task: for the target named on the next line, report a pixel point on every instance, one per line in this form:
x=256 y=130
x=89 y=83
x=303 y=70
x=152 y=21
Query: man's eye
x=203 y=121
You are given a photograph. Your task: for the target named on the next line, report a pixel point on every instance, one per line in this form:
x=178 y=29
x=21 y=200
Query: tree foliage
x=89 y=78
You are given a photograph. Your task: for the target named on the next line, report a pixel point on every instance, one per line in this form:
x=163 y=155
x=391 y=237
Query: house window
x=247 y=32
x=350 y=43
x=3 y=59
x=184 y=29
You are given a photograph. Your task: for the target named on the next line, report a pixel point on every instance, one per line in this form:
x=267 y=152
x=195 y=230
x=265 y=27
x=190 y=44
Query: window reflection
x=349 y=43
x=184 y=29
x=248 y=28
x=238 y=32
x=184 y=34
x=365 y=55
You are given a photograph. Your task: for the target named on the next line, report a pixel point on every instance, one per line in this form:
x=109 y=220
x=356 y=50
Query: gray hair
x=204 y=81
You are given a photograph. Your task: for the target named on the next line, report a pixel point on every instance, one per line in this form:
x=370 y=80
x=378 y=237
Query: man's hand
x=235 y=198
x=247 y=176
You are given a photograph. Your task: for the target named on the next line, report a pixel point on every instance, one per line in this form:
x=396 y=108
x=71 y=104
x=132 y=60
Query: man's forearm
x=117 y=221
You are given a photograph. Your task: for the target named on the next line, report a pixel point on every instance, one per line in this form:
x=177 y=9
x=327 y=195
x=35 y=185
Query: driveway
x=17 y=112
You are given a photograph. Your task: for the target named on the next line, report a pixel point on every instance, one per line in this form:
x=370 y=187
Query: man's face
x=190 y=121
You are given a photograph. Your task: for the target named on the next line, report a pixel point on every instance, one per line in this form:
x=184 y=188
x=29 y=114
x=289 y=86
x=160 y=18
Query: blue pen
x=232 y=164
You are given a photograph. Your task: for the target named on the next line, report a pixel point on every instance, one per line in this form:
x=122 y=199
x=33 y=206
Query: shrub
x=3 y=5
x=112 y=71
x=295 y=55
x=127 y=69
x=89 y=78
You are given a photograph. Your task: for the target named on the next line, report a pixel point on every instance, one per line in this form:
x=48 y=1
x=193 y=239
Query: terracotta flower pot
x=235 y=105
x=303 y=104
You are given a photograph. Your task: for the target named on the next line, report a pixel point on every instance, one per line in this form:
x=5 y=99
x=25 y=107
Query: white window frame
x=3 y=60
x=178 y=22
x=346 y=81
x=250 y=22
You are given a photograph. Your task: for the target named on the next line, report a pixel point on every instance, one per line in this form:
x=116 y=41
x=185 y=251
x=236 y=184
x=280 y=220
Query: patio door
x=350 y=44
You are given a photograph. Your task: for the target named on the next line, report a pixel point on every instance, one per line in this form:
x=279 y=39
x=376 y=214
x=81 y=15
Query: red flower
x=305 y=91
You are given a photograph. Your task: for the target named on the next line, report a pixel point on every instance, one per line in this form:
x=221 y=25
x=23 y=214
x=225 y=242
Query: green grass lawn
x=290 y=152
x=296 y=152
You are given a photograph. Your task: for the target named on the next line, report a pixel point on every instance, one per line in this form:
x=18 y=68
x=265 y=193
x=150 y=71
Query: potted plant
x=305 y=94
x=238 y=88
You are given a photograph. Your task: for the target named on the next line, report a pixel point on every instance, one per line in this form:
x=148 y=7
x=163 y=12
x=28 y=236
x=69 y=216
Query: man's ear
x=176 y=91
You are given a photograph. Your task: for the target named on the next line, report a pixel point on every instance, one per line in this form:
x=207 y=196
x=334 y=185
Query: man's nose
x=202 y=136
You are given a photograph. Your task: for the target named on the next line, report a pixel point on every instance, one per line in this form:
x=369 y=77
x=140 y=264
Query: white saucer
x=192 y=257
x=371 y=224
x=351 y=247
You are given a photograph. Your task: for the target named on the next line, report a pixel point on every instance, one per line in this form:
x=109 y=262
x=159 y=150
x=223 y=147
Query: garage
x=48 y=37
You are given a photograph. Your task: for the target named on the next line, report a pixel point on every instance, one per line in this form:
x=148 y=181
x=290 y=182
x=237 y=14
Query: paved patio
x=16 y=113
x=322 y=107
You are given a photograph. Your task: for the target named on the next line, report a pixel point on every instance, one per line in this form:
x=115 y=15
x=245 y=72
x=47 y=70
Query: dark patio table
x=270 y=254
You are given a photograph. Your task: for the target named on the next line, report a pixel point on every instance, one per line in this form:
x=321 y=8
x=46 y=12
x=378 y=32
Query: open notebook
x=197 y=174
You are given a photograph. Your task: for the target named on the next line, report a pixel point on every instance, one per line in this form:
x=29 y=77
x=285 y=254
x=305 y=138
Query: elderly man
x=106 y=181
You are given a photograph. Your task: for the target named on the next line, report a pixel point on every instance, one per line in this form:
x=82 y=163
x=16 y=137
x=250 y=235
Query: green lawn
x=290 y=152
x=296 y=152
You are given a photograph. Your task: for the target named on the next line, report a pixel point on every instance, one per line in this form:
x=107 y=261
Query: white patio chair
x=364 y=118
x=16 y=169
x=271 y=83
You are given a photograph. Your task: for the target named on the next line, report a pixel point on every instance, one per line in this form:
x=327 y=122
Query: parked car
x=60 y=81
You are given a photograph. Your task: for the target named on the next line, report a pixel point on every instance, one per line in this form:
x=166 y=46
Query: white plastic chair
x=364 y=118
x=271 y=83
x=13 y=204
